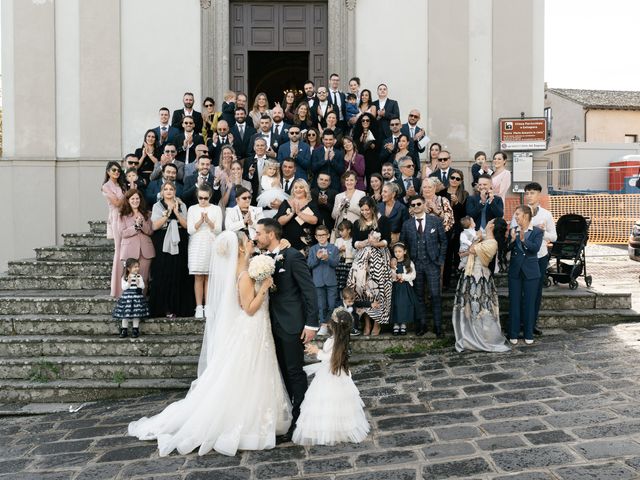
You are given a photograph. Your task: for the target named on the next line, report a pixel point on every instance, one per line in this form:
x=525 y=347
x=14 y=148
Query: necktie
x=407 y=183
x=419 y=225
x=483 y=217
x=395 y=142
x=444 y=176
x=277 y=130
x=413 y=132
x=287 y=188
x=241 y=128
x=335 y=100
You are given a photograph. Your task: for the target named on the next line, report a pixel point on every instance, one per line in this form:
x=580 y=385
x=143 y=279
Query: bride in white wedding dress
x=238 y=401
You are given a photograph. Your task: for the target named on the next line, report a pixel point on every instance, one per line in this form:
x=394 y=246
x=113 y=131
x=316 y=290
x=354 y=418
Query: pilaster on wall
x=215 y=48
x=342 y=38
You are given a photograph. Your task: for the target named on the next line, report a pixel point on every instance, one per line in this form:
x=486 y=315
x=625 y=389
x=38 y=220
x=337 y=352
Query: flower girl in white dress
x=332 y=410
x=271 y=186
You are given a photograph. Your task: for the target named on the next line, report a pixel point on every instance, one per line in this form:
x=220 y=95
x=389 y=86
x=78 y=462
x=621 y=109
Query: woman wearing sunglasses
x=457 y=196
x=204 y=222
x=113 y=188
x=243 y=217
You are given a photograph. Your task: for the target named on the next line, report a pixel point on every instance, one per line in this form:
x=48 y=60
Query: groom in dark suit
x=426 y=241
x=293 y=308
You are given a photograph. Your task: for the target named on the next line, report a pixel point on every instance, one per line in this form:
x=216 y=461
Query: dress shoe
x=123 y=333
x=135 y=332
x=537 y=332
x=286 y=438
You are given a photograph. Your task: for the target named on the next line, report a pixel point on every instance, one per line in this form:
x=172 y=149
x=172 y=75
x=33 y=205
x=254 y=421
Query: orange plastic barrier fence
x=612 y=215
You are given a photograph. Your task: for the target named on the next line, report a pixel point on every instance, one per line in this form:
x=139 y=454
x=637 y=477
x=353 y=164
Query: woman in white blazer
x=347 y=203
x=243 y=216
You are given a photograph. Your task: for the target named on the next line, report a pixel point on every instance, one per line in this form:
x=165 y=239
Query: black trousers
x=428 y=274
x=452 y=258
x=290 y=353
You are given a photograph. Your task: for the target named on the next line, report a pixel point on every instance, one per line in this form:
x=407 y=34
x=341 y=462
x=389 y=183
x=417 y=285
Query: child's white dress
x=270 y=192
x=332 y=410
x=467 y=237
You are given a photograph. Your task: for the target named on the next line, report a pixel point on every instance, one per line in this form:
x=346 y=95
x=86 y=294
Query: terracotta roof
x=609 y=99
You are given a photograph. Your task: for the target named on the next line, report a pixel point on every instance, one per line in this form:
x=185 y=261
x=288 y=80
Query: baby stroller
x=568 y=251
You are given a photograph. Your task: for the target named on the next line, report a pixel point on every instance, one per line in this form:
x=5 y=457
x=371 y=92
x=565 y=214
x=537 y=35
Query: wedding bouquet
x=261 y=267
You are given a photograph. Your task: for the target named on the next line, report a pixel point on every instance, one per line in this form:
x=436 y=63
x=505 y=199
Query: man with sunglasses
x=188 y=140
x=444 y=168
x=408 y=182
x=297 y=150
x=413 y=131
x=168 y=156
x=426 y=241
x=390 y=144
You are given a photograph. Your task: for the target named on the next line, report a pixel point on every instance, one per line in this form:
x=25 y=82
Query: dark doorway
x=276 y=72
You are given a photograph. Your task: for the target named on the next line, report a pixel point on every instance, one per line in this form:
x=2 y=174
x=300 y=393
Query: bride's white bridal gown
x=238 y=401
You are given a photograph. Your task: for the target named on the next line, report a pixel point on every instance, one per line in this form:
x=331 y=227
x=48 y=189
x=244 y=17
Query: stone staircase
x=59 y=343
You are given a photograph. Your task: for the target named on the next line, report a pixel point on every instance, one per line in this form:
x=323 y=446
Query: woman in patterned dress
x=370 y=275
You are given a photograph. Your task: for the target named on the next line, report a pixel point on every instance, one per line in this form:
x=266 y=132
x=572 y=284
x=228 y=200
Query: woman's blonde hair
x=303 y=182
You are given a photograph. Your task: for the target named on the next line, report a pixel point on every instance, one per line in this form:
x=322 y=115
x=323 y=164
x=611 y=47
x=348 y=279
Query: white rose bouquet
x=261 y=267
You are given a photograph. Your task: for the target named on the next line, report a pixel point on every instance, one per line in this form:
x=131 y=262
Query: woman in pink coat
x=135 y=230
x=113 y=188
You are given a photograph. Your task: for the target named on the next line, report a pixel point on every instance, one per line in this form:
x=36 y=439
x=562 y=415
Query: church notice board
x=523 y=134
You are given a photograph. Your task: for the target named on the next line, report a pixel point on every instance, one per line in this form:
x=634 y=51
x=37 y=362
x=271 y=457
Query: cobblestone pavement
x=564 y=408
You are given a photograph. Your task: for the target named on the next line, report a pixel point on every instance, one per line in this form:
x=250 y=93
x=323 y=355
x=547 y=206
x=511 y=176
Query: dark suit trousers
x=522 y=303
x=543 y=263
x=429 y=275
x=290 y=353
x=452 y=258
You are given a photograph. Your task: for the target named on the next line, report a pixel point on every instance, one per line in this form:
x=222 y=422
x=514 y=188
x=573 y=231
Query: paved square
x=565 y=408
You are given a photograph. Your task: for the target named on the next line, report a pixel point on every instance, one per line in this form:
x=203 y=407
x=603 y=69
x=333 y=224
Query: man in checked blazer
x=425 y=238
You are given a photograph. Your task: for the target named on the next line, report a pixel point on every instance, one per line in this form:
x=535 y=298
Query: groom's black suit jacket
x=294 y=304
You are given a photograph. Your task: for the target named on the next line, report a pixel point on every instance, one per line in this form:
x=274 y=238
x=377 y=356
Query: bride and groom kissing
x=251 y=381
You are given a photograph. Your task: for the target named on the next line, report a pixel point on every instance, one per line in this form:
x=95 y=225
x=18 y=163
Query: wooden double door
x=277 y=46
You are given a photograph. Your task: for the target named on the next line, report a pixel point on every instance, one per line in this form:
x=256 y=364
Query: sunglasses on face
x=455 y=178
x=170 y=152
x=189 y=123
x=293 y=133
x=444 y=159
x=414 y=116
x=133 y=163
x=115 y=170
x=366 y=120
x=416 y=204
x=244 y=198
x=203 y=198
x=208 y=105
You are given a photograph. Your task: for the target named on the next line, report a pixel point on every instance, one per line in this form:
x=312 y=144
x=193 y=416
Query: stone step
x=78 y=391
x=98 y=226
x=32 y=267
x=35 y=324
x=83 y=346
x=69 y=302
x=54 y=282
x=102 y=367
x=75 y=302
x=86 y=240
x=75 y=254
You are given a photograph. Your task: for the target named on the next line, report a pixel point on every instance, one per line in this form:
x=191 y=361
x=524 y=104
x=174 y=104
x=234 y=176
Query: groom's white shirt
x=275 y=252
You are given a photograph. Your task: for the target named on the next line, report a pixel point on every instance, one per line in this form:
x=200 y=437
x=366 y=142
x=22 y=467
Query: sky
x=592 y=44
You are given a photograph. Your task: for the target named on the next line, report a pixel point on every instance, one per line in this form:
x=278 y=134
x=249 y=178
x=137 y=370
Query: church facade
x=84 y=79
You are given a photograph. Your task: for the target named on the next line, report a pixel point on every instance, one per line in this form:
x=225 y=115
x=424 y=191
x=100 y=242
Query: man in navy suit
x=390 y=144
x=426 y=241
x=310 y=95
x=484 y=206
x=219 y=139
x=169 y=174
x=444 y=168
x=242 y=133
x=279 y=128
x=187 y=111
x=328 y=159
x=192 y=182
x=414 y=132
x=165 y=133
x=387 y=109
x=524 y=274
x=299 y=151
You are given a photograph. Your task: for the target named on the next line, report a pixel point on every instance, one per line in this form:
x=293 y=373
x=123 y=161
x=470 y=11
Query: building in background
x=83 y=80
x=593 y=141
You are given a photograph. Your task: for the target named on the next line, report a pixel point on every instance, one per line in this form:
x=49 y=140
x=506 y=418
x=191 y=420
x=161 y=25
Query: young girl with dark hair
x=332 y=410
